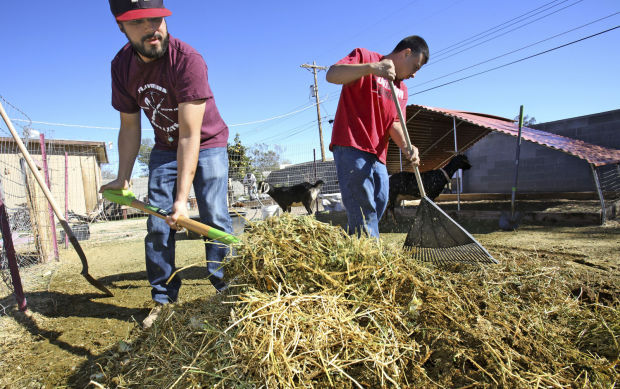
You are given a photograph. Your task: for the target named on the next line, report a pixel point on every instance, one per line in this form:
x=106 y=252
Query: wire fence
x=75 y=170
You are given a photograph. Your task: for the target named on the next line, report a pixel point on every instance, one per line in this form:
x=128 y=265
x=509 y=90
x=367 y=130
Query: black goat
x=405 y=184
x=286 y=196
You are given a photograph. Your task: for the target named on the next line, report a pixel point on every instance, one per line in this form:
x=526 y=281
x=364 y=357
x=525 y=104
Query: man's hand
x=179 y=208
x=384 y=68
x=118 y=183
x=412 y=157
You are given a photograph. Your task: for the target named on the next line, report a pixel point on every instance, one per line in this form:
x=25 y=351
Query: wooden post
x=49 y=206
x=38 y=215
x=89 y=184
x=314 y=68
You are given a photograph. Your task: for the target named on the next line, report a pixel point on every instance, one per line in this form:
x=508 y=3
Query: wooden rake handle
x=403 y=124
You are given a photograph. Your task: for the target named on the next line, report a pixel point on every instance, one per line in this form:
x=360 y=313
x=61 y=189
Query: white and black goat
x=285 y=196
x=404 y=183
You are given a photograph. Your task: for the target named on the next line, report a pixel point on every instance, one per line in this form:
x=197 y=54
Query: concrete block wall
x=541 y=169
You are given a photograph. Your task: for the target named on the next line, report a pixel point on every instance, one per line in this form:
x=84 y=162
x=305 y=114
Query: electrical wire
x=513 y=62
x=481 y=34
x=519 y=49
x=275 y=117
x=434 y=61
x=150 y=129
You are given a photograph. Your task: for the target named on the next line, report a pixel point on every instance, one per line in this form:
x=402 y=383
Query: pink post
x=66 y=196
x=47 y=182
x=9 y=249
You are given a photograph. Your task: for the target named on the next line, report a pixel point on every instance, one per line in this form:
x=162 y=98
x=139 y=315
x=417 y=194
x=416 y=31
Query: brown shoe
x=153 y=315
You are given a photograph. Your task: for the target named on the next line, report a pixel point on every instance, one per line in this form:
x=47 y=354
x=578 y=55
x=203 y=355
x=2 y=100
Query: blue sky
x=56 y=59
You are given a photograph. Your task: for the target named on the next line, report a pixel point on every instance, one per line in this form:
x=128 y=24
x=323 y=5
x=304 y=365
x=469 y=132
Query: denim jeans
x=210 y=187
x=364 y=186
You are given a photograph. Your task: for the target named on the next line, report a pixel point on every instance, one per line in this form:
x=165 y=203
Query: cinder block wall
x=541 y=169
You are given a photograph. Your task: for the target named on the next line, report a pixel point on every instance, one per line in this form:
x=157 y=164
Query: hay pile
x=317 y=309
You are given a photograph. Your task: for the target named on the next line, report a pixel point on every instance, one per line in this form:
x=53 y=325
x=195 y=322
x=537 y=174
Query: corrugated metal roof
x=431 y=130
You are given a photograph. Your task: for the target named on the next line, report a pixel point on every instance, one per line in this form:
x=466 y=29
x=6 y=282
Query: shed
x=438 y=132
x=76 y=162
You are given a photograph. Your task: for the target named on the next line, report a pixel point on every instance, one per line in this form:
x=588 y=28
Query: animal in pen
x=286 y=196
x=404 y=184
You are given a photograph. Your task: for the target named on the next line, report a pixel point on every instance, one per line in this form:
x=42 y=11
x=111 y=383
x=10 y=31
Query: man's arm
x=398 y=136
x=190 y=123
x=346 y=73
x=129 y=138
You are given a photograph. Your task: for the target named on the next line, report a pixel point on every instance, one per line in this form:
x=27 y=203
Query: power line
x=513 y=62
x=500 y=35
x=519 y=49
x=276 y=117
x=150 y=129
x=71 y=125
x=448 y=48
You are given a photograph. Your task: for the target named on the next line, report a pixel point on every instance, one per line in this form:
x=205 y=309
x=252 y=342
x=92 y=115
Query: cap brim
x=143 y=13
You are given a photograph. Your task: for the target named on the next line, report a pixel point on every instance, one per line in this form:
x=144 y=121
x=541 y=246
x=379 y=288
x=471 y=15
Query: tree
x=238 y=161
x=146 y=145
x=527 y=120
x=265 y=159
x=108 y=173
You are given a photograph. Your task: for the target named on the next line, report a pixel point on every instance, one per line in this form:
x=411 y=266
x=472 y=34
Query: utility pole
x=314 y=68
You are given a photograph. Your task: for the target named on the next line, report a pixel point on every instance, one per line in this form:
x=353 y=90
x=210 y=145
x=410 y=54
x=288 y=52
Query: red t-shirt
x=366 y=110
x=159 y=86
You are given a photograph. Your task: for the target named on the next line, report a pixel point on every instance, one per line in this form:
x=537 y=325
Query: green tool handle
x=192 y=225
x=403 y=124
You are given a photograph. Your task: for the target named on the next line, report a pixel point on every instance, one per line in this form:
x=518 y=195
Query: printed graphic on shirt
x=385 y=91
x=155 y=103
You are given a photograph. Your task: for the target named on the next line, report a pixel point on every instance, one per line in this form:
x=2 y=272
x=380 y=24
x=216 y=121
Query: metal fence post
x=599 y=190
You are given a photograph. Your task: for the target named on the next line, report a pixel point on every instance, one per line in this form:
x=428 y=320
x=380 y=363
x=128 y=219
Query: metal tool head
x=435 y=237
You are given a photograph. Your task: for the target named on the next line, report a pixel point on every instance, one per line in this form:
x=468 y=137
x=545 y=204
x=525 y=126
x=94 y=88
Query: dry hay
x=316 y=308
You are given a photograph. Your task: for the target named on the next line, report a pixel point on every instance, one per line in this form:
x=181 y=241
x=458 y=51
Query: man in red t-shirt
x=166 y=79
x=365 y=120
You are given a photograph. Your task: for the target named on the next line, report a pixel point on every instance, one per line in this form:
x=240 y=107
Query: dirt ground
x=70 y=323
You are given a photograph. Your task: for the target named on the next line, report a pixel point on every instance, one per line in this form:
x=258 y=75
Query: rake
x=126 y=197
x=434 y=236
x=37 y=175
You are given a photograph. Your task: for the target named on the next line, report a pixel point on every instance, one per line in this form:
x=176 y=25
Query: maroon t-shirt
x=159 y=86
x=366 y=109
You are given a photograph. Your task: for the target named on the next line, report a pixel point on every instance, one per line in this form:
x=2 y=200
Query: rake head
x=435 y=237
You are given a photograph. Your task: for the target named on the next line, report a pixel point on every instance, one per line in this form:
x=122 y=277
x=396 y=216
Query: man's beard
x=154 y=53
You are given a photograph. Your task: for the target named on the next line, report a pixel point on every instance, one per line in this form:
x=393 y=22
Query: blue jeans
x=210 y=187
x=364 y=186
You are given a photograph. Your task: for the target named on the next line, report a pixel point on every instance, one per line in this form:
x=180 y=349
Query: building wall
x=82 y=194
x=541 y=169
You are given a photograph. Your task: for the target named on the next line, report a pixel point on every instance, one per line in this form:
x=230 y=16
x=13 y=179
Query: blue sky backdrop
x=56 y=59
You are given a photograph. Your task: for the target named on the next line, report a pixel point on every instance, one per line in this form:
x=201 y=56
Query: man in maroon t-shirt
x=365 y=120
x=166 y=79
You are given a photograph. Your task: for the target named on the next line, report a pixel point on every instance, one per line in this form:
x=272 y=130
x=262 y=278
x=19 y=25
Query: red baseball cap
x=124 y=10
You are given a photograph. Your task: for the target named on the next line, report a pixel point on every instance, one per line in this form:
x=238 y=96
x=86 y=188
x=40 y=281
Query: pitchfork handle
x=403 y=125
